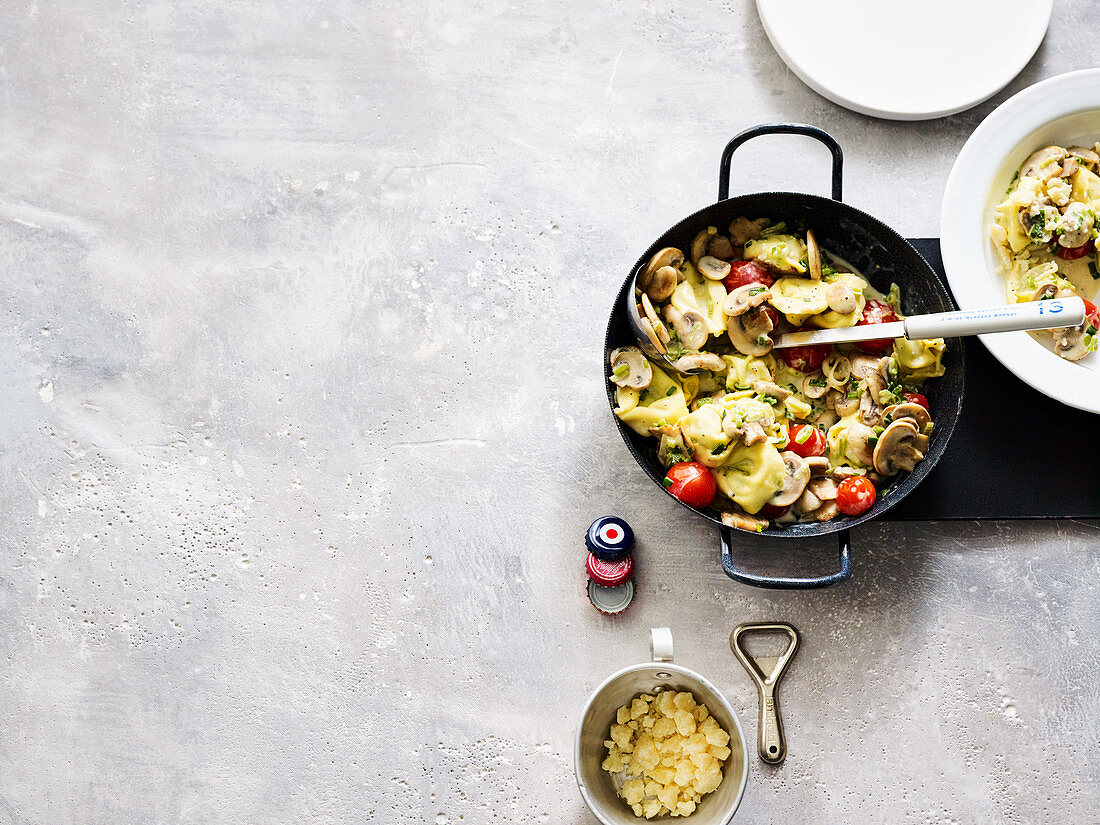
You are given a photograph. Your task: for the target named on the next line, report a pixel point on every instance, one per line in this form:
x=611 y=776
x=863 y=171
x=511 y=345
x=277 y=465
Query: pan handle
x=781 y=129
x=844 y=540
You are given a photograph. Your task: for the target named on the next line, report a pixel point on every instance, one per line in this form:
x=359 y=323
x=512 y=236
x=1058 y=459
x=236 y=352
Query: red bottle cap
x=610 y=573
x=611 y=600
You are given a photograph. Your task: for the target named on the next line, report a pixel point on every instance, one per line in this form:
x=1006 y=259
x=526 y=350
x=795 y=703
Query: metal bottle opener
x=771 y=743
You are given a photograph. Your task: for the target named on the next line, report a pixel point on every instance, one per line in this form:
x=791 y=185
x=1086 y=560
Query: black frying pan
x=882 y=256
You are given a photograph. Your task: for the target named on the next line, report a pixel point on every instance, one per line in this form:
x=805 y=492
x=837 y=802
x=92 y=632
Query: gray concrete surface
x=302 y=421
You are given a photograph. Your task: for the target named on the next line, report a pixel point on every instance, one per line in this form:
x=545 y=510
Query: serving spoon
x=1052 y=313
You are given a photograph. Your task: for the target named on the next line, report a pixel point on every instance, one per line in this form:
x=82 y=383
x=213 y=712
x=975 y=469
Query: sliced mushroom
x=841 y=298
x=743 y=521
x=660 y=283
x=807 y=502
x=813 y=257
x=655 y=320
x=750 y=333
x=669 y=256
x=827 y=512
x=672 y=449
x=1045 y=163
x=1069 y=343
x=818 y=464
x=690 y=326
x=711 y=267
x=772 y=389
x=754 y=432
x=795 y=477
x=709 y=243
x=742 y=229
x=733 y=430
x=1083 y=155
x=744 y=298
x=651 y=334
x=863 y=363
x=1044 y=292
x=826 y=419
x=823 y=487
x=814 y=385
x=860 y=440
x=1039 y=221
x=899 y=447
x=699 y=360
x=846 y=472
x=699 y=246
x=870 y=406
x=638 y=371
x=845 y=406
x=896 y=412
x=721 y=247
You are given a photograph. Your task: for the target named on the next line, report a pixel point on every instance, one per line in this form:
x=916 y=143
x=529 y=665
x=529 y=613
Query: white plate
x=906 y=61
x=1064 y=110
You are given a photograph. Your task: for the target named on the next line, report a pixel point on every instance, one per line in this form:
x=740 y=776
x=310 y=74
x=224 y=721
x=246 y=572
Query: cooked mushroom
x=806 y=503
x=896 y=412
x=860 y=440
x=742 y=229
x=672 y=449
x=841 y=298
x=814 y=385
x=754 y=432
x=826 y=419
x=844 y=405
x=659 y=283
x=1069 y=342
x=700 y=360
x=733 y=430
x=744 y=298
x=844 y=471
x=651 y=334
x=629 y=368
x=827 y=512
x=669 y=256
x=743 y=521
x=823 y=487
x=711 y=267
x=1075 y=225
x=1045 y=163
x=772 y=389
x=749 y=332
x=654 y=319
x=861 y=363
x=795 y=477
x=818 y=464
x=1044 y=292
x=899 y=447
x=1039 y=221
x=709 y=243
x=870 y=406
x=690 y=326
x=1083 y=155
x=813 y=258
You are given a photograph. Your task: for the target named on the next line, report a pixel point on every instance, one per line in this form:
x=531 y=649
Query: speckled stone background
x=302 y=420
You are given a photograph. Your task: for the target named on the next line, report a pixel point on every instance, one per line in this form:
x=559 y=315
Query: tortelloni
x=751 y=476
x=662 y=402
x=701 y=295
x=759 y=433
x=782 y=253
x=919 y=360
x=704 y=435
x=799 y=298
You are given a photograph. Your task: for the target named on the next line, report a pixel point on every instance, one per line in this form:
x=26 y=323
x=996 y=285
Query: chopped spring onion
x=666 y=481
x=621 y=370
x=670 y=391
x=804 y=436
x=928 y=427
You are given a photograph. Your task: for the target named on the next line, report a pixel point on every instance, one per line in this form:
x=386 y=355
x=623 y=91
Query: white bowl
x=1063 y=110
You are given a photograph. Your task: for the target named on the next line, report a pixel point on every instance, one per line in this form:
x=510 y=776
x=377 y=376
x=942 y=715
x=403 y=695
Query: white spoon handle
x=1049 y=314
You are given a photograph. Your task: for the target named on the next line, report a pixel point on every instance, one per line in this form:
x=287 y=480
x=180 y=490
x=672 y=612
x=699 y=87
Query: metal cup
x=598 y=787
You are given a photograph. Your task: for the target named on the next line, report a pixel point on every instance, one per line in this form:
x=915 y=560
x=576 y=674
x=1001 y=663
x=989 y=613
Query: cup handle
x=660 y=644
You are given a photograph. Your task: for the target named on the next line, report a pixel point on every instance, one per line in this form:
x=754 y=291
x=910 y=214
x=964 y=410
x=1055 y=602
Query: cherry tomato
x=746 y=272
x=855 y=496
x=877 y=312
x=916 y=398
x=806 y=359
x=1072 y=253
x=772 y=511
x=1092 y=314
x=692 y=483
x=812 y=441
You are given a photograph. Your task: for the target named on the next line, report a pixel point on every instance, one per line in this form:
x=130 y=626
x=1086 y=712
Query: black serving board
x=1015 y=452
